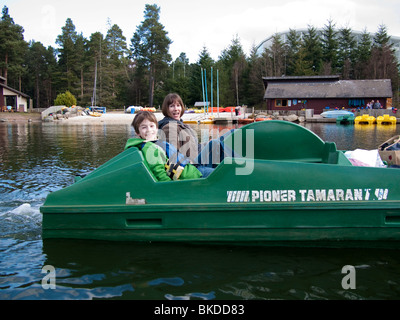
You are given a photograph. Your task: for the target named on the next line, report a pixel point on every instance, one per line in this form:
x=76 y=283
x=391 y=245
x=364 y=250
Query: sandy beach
x=108 y=118
x=112 y=117
x=127 y=118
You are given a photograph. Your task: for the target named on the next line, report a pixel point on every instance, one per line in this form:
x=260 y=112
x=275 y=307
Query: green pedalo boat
x=288 y=188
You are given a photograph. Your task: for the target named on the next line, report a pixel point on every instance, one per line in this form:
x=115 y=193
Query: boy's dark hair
x=140 y=117
x=170 y=99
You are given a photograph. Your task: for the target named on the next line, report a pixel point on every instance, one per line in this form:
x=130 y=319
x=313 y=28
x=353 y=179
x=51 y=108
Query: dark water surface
x=36 y=159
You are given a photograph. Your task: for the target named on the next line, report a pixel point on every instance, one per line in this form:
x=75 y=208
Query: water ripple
x=23 y=222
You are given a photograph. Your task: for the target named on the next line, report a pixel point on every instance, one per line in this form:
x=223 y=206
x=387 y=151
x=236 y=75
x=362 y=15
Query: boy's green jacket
x=156 y=159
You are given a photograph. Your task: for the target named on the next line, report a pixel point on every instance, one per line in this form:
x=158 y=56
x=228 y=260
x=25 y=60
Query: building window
x=281 y=103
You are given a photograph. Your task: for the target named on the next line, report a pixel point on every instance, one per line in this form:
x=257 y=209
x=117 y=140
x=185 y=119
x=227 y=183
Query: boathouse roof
x=325 y=87
x=2 y=85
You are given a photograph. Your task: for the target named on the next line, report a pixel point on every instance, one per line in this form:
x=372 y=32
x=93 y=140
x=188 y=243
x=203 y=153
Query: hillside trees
x=177 y=79
x=104 y=68
x=41 y=67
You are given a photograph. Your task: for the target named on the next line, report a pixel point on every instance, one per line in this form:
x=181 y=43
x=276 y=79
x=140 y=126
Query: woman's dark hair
x=170 y=99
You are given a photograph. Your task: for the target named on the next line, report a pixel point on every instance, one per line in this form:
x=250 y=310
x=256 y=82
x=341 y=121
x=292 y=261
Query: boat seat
x=282 y=140
x=126 y=158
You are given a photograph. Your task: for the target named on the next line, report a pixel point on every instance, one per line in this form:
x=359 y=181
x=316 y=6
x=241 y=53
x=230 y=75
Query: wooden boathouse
x=11 y=99
x=322 y=92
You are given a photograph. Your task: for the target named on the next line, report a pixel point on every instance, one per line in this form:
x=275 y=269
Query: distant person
x=377 y=105
x=164 y=161
x=372 y=103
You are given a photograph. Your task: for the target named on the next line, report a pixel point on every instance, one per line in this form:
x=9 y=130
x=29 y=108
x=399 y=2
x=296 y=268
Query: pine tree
x=381 y=38
x=150 y=46
x=362 y=55
x=12 y=50
x=117 y=50
x=329 y=49
x=293 y=44
x=278 y=56
x=80 y=65
x=383 y=63
x=96 y=59
x=37 y=67
x=195 y=81
x=347 y=53
x=303 y=66
x=68 y=57
x=254 y=85
x=178 y=79
x=233 y=62
x=312 y=49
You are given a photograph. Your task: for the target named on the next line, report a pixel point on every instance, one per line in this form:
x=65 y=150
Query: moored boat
x=365 y=119
x=333 y=114
x=346 y=119
x=191 y=121
x=288 y=188
x=207 y=121
x=245 y=120
x=92 y=113
x=262 y=119
x=386 y=119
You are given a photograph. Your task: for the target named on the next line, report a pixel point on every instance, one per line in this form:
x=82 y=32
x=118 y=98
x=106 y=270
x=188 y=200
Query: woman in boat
x=176 y=132
x=164 y=161
x=184 y=138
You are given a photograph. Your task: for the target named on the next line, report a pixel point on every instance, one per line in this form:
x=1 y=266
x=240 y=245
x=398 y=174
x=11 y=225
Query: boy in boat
x=164 y=161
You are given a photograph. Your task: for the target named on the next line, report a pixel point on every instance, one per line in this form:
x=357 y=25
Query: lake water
x=37 y=158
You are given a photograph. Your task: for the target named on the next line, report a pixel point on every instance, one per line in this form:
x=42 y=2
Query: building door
x=11 y=101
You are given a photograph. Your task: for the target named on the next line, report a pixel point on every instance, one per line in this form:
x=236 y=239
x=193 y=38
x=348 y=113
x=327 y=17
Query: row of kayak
x=213 y=110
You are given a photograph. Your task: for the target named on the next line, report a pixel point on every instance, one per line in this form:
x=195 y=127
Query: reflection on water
x=101 y=270
x=36 y=159
x=350 y=137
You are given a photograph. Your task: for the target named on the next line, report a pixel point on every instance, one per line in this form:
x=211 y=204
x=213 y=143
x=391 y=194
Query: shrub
x=65 y=99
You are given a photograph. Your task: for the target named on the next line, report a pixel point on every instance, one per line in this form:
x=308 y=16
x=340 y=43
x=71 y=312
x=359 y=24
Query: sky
x=193 y=25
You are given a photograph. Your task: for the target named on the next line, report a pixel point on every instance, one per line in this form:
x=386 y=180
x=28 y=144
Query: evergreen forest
x=140 y=70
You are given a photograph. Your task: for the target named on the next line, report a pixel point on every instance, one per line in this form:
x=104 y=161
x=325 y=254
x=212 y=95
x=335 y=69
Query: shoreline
x=112 y=117
x=20 y=117
x=121 y=118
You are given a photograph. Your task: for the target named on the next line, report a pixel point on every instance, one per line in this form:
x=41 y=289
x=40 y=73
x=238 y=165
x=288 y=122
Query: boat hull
x=245 y=226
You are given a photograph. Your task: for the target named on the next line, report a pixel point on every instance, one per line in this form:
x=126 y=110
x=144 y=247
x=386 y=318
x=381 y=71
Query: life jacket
x=176 y=161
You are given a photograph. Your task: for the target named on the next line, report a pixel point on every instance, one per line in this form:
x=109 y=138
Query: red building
x=320 y=92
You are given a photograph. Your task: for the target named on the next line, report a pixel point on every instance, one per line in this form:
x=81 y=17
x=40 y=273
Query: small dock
x=221 y=118
x=226 y=119
x=319 y=119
